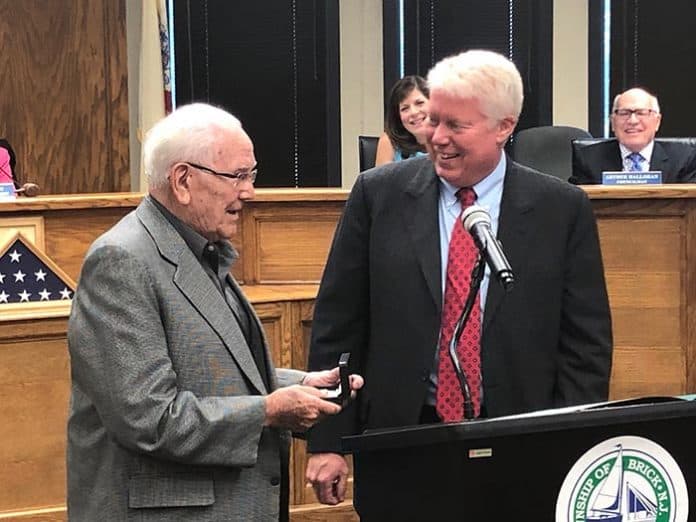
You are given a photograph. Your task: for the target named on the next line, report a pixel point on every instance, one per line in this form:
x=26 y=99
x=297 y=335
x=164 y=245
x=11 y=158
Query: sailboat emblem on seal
x=624 y=479
x=619 y=500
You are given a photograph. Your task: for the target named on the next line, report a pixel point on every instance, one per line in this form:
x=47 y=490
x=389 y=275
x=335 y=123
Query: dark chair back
x=547 y=149
x=584 y=142
x=367 y=149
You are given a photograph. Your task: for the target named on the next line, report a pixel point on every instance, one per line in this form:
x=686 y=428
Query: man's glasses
x=238 y=177
x=627 y=113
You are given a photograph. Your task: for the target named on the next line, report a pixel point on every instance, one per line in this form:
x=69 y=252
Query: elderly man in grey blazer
x=176 y=410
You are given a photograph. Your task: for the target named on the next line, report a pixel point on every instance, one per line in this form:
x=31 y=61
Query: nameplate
x=650 y=177
x=7 y=192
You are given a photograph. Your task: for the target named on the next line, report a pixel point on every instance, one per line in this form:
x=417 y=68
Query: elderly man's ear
x=179 y=182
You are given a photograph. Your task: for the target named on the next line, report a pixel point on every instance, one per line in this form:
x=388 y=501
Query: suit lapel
x=420 y=212
x=515 y=220
x=614 y=161
x=659 y=160
x=199 y=290
x=258 y=327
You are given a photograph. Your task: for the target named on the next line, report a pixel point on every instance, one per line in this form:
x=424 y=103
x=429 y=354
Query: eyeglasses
x=238 y=177
x=627 y=113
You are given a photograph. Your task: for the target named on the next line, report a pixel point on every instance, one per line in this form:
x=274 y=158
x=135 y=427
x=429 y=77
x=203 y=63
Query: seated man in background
x=635 y=118
x=7 y=163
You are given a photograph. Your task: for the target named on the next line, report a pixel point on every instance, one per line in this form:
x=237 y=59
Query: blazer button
x=275 y=481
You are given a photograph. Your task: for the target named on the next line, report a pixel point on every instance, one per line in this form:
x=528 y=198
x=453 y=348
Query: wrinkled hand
x=328 y=474
x=331 y=378
x=298 y=407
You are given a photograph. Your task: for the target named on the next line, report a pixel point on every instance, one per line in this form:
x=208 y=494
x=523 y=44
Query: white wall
x=361 y=79
x=570 y=76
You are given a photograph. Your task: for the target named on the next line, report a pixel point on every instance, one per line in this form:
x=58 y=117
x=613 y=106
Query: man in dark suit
x=546 y=343
x=635 y=118
x=176 y=410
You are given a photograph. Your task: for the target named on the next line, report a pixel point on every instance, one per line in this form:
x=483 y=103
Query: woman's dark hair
x=400 y=138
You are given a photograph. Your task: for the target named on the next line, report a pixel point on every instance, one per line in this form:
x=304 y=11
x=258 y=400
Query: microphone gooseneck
x=476 y=277
x=478 y=222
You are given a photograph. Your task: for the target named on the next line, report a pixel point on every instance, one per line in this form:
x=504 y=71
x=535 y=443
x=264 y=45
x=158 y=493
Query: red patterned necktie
x=460 y=262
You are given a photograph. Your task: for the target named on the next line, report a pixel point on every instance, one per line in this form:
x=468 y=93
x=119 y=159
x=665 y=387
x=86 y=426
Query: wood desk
x=648 y=239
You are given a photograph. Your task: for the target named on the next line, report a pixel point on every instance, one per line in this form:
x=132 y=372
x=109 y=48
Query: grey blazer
x=166 y=412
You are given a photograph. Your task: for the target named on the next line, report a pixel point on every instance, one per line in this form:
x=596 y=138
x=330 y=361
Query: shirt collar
x=645 y=152
x=483 y=188
x=226 y=253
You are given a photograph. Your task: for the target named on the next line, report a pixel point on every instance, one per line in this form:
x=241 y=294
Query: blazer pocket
x=153 y=491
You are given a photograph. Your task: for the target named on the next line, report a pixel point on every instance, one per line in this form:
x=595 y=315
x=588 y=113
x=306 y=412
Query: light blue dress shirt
x=646 y=153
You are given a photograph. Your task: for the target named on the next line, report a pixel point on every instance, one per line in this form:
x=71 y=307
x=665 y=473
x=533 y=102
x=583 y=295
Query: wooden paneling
x=64 y=90
x=286 y=243
x=646 y=251
x=318 y=513
x=304 y=310
x=49 y=514
x=275 y=318
x=34 y=393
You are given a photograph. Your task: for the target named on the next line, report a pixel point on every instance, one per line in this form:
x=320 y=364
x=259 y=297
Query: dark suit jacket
x=676 y=161
x=546 y=343
x=167 y=407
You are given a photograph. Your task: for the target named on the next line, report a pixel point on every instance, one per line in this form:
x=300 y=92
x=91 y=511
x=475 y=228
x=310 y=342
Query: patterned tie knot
x=466 y=196
x=636 y=160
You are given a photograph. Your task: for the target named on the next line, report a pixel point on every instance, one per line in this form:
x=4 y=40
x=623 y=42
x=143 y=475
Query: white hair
x=184 y=135
x=486 y=76
x=652 y=99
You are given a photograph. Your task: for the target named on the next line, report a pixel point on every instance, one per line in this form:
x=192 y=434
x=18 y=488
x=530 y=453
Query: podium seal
x=621 y=479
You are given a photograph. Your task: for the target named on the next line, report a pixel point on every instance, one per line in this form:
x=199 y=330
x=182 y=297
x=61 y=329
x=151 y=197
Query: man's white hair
x=654 y=105
x=184 y=135
x=486 y=76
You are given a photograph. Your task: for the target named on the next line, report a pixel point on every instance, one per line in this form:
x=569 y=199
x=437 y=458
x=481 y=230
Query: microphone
x=29 y=190
x=478 y=222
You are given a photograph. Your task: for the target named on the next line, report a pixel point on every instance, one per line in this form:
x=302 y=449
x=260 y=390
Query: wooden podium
x=513 y=468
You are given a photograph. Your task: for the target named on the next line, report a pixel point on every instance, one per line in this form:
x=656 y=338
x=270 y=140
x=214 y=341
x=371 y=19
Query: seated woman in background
x=7 y=163
x=406 y=121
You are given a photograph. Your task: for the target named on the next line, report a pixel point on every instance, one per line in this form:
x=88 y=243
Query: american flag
x=25 y=277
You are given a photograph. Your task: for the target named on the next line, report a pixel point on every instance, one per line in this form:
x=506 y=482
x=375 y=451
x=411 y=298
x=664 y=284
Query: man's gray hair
x=186 y=134
x=654 y=105
x=486 y=76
